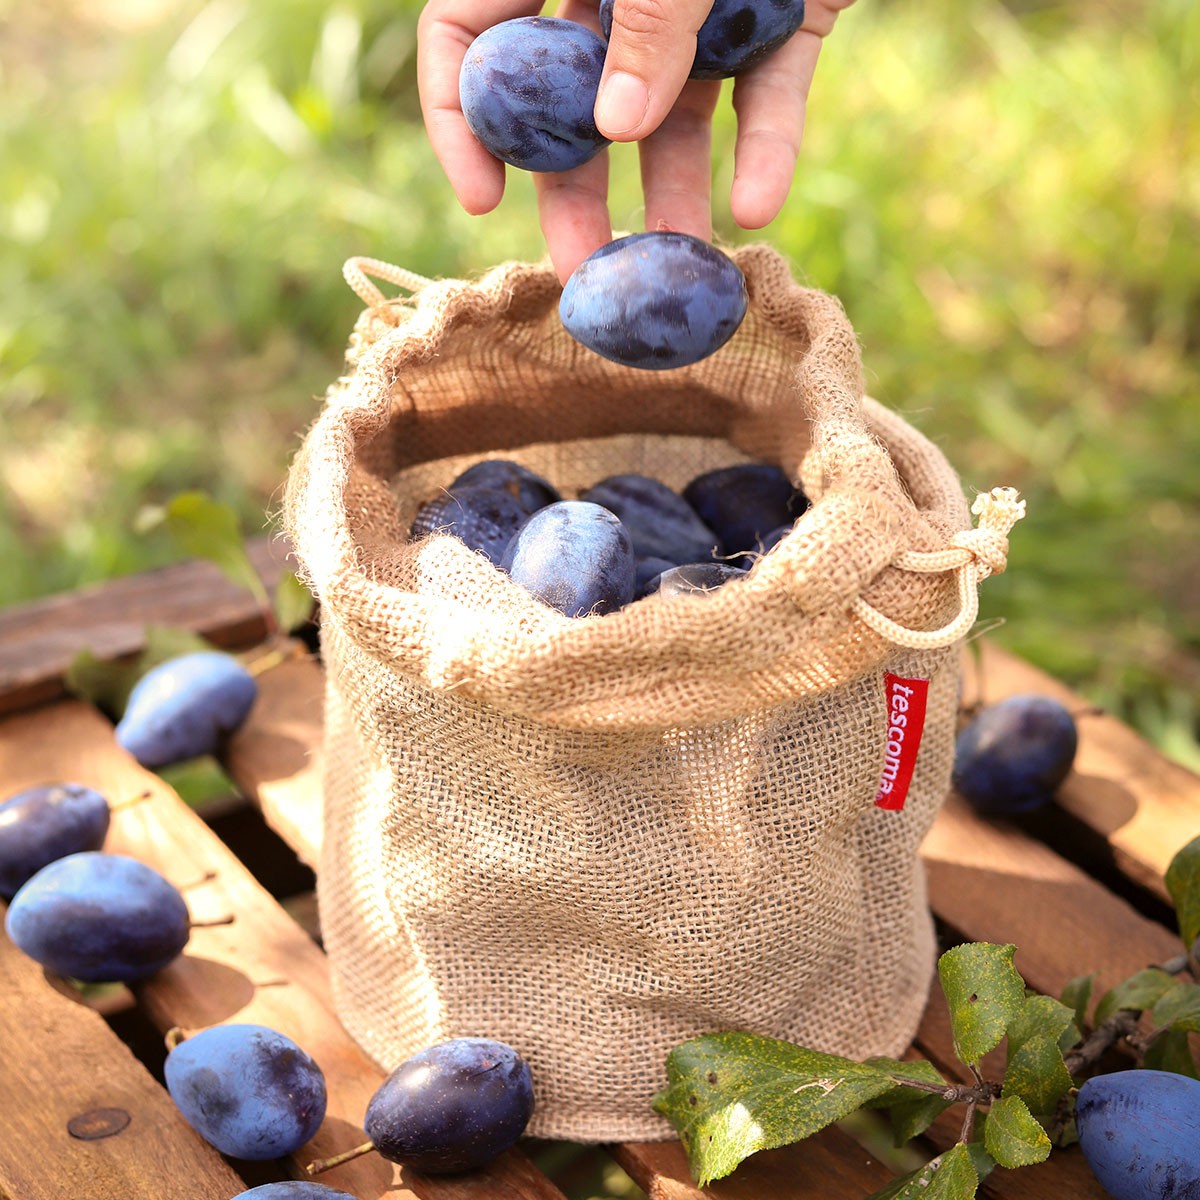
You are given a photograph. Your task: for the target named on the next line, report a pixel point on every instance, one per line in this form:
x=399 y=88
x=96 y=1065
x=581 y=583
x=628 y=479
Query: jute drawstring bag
x=594 y=838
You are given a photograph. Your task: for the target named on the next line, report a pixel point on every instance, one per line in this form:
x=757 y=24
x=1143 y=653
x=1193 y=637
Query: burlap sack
x=594 y=838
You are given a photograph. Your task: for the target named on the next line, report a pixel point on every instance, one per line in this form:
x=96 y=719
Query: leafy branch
x=730 y=1095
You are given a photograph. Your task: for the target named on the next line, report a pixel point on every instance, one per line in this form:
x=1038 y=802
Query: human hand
x=645 y=96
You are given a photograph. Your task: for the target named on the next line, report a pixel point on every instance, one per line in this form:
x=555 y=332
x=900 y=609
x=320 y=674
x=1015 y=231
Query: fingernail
x=622 y=103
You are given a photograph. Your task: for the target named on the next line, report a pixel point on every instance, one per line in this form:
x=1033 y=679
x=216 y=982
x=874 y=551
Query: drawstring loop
x=973 y=553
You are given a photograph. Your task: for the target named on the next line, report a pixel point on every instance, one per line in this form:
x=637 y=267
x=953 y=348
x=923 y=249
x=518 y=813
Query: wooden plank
x=59 y=1062
x=38 y=640
x=261 y=969
x=1145 y=805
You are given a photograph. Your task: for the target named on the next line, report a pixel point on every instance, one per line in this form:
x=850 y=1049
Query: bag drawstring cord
x=974 y=554
x=358 y=273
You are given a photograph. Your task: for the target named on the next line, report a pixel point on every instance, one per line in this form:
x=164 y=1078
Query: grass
x=1005 y=197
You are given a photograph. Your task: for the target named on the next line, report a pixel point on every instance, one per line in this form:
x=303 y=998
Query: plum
x=1014 y=754
x=99 y=918
x=247 y=1090
x=1140 y=1133
x=452 y=1107
x=661 y=523
x=293 y=1189
x=185 y=707
x=482 y=518
x=695 y=577
x=528 y=87
x=574 y=556
x=654 y=300
x=45 y=823
x=744 y=505
x=530 y=489
x=735 y=35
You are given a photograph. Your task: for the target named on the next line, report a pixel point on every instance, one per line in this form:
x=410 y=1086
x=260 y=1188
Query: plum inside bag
x=595 y=837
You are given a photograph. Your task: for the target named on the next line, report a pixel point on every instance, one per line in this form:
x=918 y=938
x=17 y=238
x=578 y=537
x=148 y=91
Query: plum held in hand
x=735 y=35
x=43 y=824
x=247 y=1090
x=482 y=518
x=293 y=1189
x=574 y=556
x=1140 y=1133
x=185 y=707
x=528 y=87
x=99 y=918
x=654 y=300
x=1014 y=754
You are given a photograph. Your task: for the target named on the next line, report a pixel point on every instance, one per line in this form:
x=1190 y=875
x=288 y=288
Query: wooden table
x=1077 y=889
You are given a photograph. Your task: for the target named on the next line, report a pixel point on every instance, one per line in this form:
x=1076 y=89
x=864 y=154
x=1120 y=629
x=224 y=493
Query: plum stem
x=212 y=923
x=131 y=801
x=173 y=1037
x=327 y=1164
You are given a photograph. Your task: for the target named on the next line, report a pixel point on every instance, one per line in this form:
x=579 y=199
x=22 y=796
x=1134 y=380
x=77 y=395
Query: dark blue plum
x=574 y=556
x=528 y=87
x=247 y=1090
x=452 y=1107
x=695 y=577
x=293 y=1190
x=99 y=918
x=770 y=540
x=745 y=504
x=661 y=523
x=1014 y=754
x=735 y=35
x=45 y=823
x=646 y=573
x=530 y=489
x=654 y=300
x=1140 y=1133
x=482 y=518
x=186 y=707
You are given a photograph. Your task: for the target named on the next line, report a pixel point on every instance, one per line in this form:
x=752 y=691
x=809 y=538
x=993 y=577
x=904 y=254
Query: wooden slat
x=1145 y=805
x=38 y=640
x=261 y=969
x=58 y=1060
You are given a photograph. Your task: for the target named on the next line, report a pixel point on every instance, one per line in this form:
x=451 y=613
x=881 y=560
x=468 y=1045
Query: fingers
x=677 y=164
x=650 y=51
x=444 y=31
x=573 y=210
x=770 y=102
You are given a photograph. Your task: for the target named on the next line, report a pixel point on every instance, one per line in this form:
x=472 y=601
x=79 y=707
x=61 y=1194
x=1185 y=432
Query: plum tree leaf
x=912 y=1117
x=205 y=528
x=950 y=1176
x=292 y=603
x=1140 y=991
x=1183 y=884
x=731 y=1094
x=1171 y=1051
x=1040 y=1016
x=1036 y=1071
x=1077 y=995
x=984 y=992
x=1012 y=1135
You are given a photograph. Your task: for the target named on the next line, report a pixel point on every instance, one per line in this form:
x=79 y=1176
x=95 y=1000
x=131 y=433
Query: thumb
x=651 y=48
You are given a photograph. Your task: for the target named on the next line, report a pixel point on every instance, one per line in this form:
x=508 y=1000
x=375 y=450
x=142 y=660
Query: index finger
x=445 y=31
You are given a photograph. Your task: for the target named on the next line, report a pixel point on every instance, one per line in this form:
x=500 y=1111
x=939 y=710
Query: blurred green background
x=1005 y=196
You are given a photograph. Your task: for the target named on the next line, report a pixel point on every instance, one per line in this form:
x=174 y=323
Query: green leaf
x=1040 y=1016
x=731 y=1094
x=1012 y=1135
x=917 y=1070
x=1077 y=995
x=912 y=1117
x=1171 y=1051
x=1179 y=1007
x=1140 y=991
x=293 y=603
x=950 y=1176
x=1183 y=883
x=984 y=992
x=1037 y=1074
x=982 y=1161
x=204 y=528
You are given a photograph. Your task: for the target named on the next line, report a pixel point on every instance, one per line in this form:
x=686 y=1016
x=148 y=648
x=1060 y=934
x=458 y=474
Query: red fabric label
x=905 y=721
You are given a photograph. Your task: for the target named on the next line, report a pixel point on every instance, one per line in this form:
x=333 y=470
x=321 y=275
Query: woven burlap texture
x=594 y=838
